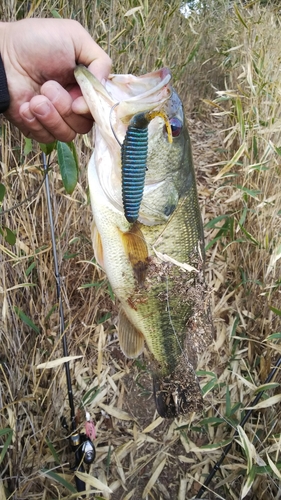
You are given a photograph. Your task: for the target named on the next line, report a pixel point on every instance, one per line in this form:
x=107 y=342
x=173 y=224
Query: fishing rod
x=246 y=417
x=81 y=444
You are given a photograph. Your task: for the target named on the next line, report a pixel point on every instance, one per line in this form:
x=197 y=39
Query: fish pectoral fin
x=136 y=249
x=131 y=340
x=97 y=245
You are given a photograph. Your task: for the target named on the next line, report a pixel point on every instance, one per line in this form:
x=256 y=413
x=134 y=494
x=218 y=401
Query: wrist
x=4 y=91
x=2 y=35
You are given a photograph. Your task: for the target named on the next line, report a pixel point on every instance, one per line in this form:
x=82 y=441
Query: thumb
x=89 y=53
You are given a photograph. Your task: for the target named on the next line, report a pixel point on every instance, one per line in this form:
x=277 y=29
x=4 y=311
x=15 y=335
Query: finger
x=43 y=119
x=101 y=66
x=62 y=100
x=80 y=107
x=31 y=127
x=89 y=53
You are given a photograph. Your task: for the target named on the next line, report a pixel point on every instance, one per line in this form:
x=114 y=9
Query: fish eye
x=176 y=126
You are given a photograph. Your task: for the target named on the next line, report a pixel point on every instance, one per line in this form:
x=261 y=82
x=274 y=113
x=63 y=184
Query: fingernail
x=27 y=114
x=52 y=91
x=79 y=106
x=42 y=109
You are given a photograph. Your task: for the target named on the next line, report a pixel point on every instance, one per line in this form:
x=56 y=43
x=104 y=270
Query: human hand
x=39 y=57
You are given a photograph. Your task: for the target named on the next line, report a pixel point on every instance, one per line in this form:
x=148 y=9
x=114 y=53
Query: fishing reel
x=81 y=444
x=84 y=451
x=83 y=447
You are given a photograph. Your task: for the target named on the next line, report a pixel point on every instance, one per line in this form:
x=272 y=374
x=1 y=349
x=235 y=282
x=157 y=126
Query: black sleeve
x=4 y=92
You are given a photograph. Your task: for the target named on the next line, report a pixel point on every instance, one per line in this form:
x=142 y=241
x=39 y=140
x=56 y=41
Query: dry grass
x=138 y=454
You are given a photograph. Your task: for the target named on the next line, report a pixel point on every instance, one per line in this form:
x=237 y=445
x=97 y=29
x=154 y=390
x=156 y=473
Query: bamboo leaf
x=72 y=148
x=115 y=412
x=9 y=235
x=108 y=459
x=211 y=421
x=132 y=11
x=154 y=478
x=53 y=451
x=247 y=447
x=227 y=402
x=90 y=285
x=27 y=146
x=68 y=166
x=209 y=386
x=55 y=14
x=274 y=336
x=266 y=403
x=153 y=425
x=59 y=479
x=275 y=310
x=275 y=256
x=30 y=268
x=2 y=192
x=232 y=162
x=273 y=467
x=251 y=192
x=266 y=387
x=90 y=395
x=249 y=236
x=93 y=481
x=249 y=481
x=240 y=116
x=48 y=148
x=6 y=444
x=241 y=19
x=212 y=223
x=205 y=373
x=57 y=362
x=25 y=319
x=212 y=446
x=7 y=430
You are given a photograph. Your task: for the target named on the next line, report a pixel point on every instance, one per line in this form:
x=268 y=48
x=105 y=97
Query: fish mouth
x=157 y=90
x=112 y=104
x=132 y=94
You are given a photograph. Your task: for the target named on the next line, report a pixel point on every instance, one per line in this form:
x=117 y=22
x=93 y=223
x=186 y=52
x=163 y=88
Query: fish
x=153 y=259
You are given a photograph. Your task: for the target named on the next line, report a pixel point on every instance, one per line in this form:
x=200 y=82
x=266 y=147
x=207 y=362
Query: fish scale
x=180 y=242
x=155 y=263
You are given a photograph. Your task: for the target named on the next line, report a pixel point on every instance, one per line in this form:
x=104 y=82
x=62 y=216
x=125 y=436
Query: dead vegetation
x=226 y=65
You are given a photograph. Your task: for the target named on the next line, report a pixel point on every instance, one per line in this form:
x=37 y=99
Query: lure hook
x=110 y=121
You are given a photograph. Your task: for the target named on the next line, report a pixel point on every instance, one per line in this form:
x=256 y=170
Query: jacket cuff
x=4 y=92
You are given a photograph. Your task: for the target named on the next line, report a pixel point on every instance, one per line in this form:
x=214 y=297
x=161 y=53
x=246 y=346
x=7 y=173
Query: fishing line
x=83 y=447
x=171 y=323
x=246 y=417
x=29 y=198
x=244 y=420
x=58 y=288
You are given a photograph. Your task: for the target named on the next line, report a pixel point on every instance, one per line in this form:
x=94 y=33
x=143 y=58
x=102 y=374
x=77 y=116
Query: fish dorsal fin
x=97 y=245
x=137 y=252
x=131 y=340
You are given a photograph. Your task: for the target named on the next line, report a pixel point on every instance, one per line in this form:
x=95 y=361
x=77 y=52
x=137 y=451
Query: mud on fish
x=147 y=229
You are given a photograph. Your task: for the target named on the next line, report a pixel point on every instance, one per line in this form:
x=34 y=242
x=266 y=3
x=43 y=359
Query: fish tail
x=174 y=397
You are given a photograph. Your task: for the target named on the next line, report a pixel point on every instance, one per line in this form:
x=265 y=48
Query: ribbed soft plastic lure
x=133 y=158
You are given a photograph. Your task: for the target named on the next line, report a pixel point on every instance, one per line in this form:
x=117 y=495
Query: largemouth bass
x=155 y=264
